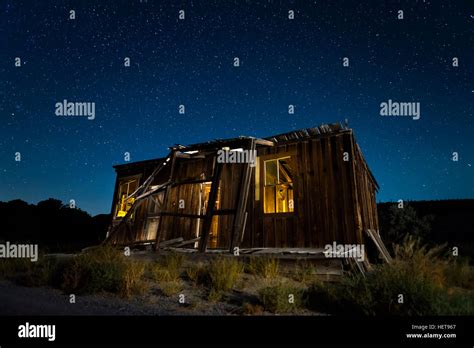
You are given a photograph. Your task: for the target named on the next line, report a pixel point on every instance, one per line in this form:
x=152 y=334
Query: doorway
x=203 y=206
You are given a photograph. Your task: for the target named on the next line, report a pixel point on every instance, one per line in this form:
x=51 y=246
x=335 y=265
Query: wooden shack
x=303 y=189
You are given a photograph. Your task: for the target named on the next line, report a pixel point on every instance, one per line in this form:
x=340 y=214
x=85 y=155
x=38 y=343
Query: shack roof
x=296 y=135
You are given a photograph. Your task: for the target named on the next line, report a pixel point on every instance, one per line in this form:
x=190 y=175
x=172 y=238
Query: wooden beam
x=189 y=156
x=206 y=228
x=194 y=216
x=170 y=242
x=187 y=242
x=241 y=206
x=374 y=235
x=166 y=213
x=165 y=200
x=264 y=142
x=355 y=194
x=190 y=182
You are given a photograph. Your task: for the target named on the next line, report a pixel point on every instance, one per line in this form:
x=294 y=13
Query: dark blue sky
x=190 y=62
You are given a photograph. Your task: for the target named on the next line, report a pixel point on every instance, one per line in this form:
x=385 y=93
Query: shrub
x=27 y=273
x=99 y=269
x=102 y=269
x=457 y=304
x=420 y=261
x=74 y=274
x=265 y=267
x=222 y=274
x=9 y=268
x=377 y=294
x=417 y=273
x=171 y=288
x=303 y=272
x=282 y=298
x=252 y=309
x=459 y=273
x=197 y=274
x=132 y=283
x=168 y=268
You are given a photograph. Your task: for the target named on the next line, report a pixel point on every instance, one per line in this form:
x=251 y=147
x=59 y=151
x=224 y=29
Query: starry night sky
x=190 y=62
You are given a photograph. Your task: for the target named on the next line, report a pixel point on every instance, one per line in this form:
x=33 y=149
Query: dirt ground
x=16 y=299
x=19 y=300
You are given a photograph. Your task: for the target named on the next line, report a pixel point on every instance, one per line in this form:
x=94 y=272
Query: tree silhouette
x=51 y=224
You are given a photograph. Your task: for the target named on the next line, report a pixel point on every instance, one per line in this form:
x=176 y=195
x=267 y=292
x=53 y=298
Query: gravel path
x=19 y=300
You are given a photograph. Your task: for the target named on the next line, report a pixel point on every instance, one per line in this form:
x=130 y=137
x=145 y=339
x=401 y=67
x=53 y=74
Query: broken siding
x=334 y=199
x=188 y=222
x=366 y=189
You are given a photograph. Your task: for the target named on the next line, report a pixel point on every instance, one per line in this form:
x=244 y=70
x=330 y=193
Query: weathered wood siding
x=186 y=226
x=366 y=189
x=334 y=199
x=135 y=232
x=330 y=194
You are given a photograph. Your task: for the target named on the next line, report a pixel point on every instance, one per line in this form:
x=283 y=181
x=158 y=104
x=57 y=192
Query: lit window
x=126 y=188
x=278 y=190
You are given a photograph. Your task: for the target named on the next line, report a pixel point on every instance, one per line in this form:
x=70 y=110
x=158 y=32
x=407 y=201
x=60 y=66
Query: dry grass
x=132 y=279
x=11 y=267
x=420 y=261
x=167 y=269
x=282 y=298
x=418 y=273
x=460 y=274
x=265 y=267
x=196 y=273
x=304 y=272
x=252 y=309
x=171 y=288
x=103 y=269
x=222 y=275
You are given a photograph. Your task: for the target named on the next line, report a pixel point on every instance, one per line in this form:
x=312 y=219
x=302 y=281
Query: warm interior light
x=278 y=186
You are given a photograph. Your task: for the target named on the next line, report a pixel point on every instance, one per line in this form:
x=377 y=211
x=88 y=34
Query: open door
x=155 y=206
x=204 y=199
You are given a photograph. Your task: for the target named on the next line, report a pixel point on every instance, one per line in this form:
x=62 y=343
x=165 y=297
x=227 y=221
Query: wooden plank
x=354 y=193
x=356 y=266
x=190 y=181
x=332 y=185
x=238 y=226
x=316 y=191
x=299 y=196
x=380 y=245
x=187 y=242
x=264 y=142
x=170 y=242
x=210 y=206
x=165 y=200
x=325 y=191
x=310 y=238
x=348 y=210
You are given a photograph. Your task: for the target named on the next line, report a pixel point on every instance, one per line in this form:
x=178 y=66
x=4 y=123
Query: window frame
x=262 y=184
x=121 y=181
